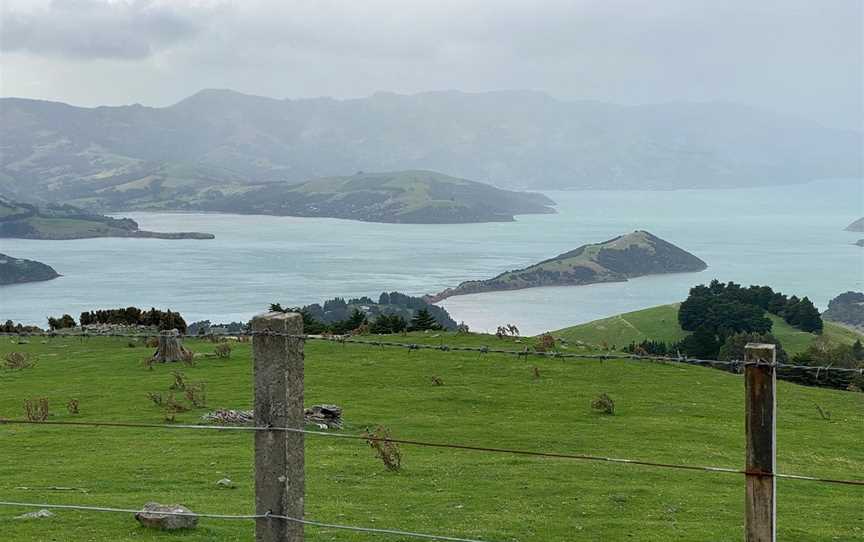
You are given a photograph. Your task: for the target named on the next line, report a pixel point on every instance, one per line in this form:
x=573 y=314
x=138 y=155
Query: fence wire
x=421 y=443
x=731 y=365
x=267 y=516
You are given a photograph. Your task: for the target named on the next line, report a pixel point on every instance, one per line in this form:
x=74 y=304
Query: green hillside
x=54 y=221
x=661 y=323
x=626 y=256
x=668 y=413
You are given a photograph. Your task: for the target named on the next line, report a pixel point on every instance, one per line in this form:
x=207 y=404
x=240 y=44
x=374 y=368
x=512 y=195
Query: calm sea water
x=789 y=237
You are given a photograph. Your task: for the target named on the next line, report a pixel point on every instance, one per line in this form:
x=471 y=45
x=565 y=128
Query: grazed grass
x=661 y=323
x=663 y=412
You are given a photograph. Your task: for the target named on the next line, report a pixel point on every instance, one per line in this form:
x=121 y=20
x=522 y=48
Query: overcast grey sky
x=799 y=56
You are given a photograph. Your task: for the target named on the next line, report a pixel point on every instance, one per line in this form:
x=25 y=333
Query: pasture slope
x=661 y=323
x=664 y=412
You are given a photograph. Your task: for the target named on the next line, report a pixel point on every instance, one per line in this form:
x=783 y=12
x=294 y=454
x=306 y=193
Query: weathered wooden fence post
x=760 y=382
x=279 y=455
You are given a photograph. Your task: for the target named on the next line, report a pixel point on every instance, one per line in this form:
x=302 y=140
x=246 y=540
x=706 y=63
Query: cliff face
x=15 y=270
x=847 y=308
x=627 y=256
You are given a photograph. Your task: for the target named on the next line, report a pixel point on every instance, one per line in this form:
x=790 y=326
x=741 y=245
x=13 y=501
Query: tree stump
x=170 y=349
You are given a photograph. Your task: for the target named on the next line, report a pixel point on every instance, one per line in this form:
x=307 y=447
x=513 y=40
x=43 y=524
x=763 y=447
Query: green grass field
x=669 y=413
x=661 y=323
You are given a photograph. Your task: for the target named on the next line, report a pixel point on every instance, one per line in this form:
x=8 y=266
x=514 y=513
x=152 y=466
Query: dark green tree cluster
x=64 y=322
x=383 y=324
x=423 y=321
x=11 y=327
x=133 y=316
x=386 y=324
x=652 y=348
x=733 y=347
x=718 y=311
x=799 y=313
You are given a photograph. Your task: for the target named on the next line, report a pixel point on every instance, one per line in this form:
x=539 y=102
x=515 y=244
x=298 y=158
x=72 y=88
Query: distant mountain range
x=101 y=157
x=616 y=260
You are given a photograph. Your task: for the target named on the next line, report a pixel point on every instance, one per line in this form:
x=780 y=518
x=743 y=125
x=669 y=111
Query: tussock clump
x=604 y=404
x=385 y=450
x=36 y=410
x=16 y=361
x=197 y=394
x=545 y=343
x=223 y=350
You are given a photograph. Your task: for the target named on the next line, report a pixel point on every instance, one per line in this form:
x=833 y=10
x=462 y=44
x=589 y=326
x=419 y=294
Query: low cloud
x=100 y=29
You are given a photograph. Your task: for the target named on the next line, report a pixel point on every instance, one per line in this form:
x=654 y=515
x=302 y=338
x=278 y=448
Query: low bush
x=385 y=449
x=36 y=410
x=223 y=350
x=604 y=404
x=19 y=360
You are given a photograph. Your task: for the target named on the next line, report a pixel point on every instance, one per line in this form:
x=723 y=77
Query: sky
x=804 y=57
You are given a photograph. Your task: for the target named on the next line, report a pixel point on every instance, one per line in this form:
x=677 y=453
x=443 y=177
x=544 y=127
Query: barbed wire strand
x=410 y=442
x=343 y=339
x=267 y=516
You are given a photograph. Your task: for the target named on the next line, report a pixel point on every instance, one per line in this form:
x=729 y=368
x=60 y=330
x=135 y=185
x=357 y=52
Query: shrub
x=223 y=350
x=19 y=360
x=385 y=449
x=36 y=410
x=179 y=381
x=173 y=406
x=604 y=404
x=188 y=357
x=72 y=406
x=545 y=343
x=197 y=394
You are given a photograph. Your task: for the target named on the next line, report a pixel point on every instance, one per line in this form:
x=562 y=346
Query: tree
x=276 y=307
x=733 y=346
x=858 y=350
x=422 y=321
x=702 y=343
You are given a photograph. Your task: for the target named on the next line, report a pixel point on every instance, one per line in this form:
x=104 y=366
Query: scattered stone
x=39 y=514
x=226 y=483
x=324 y=416
x=160 y=516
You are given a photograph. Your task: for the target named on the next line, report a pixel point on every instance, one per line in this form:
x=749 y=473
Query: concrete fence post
x=760 y=384
x=279 y=455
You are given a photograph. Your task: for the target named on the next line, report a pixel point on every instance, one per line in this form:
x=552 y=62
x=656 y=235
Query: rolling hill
x=54 y=221
x=626 y=256
x=17 y=270
x=420 y=197
x=54 y=152
x=661 y=323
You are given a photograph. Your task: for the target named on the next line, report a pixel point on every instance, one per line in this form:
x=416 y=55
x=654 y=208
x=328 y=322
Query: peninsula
x=616 y=260
x=58 y=222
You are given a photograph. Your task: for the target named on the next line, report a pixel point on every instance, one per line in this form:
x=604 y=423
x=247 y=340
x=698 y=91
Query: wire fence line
x=526 y=352
x=447 y=445
x=267 y=516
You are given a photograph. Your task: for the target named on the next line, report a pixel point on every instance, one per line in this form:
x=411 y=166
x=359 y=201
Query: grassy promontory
x=669 y=413
x=661 y=324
